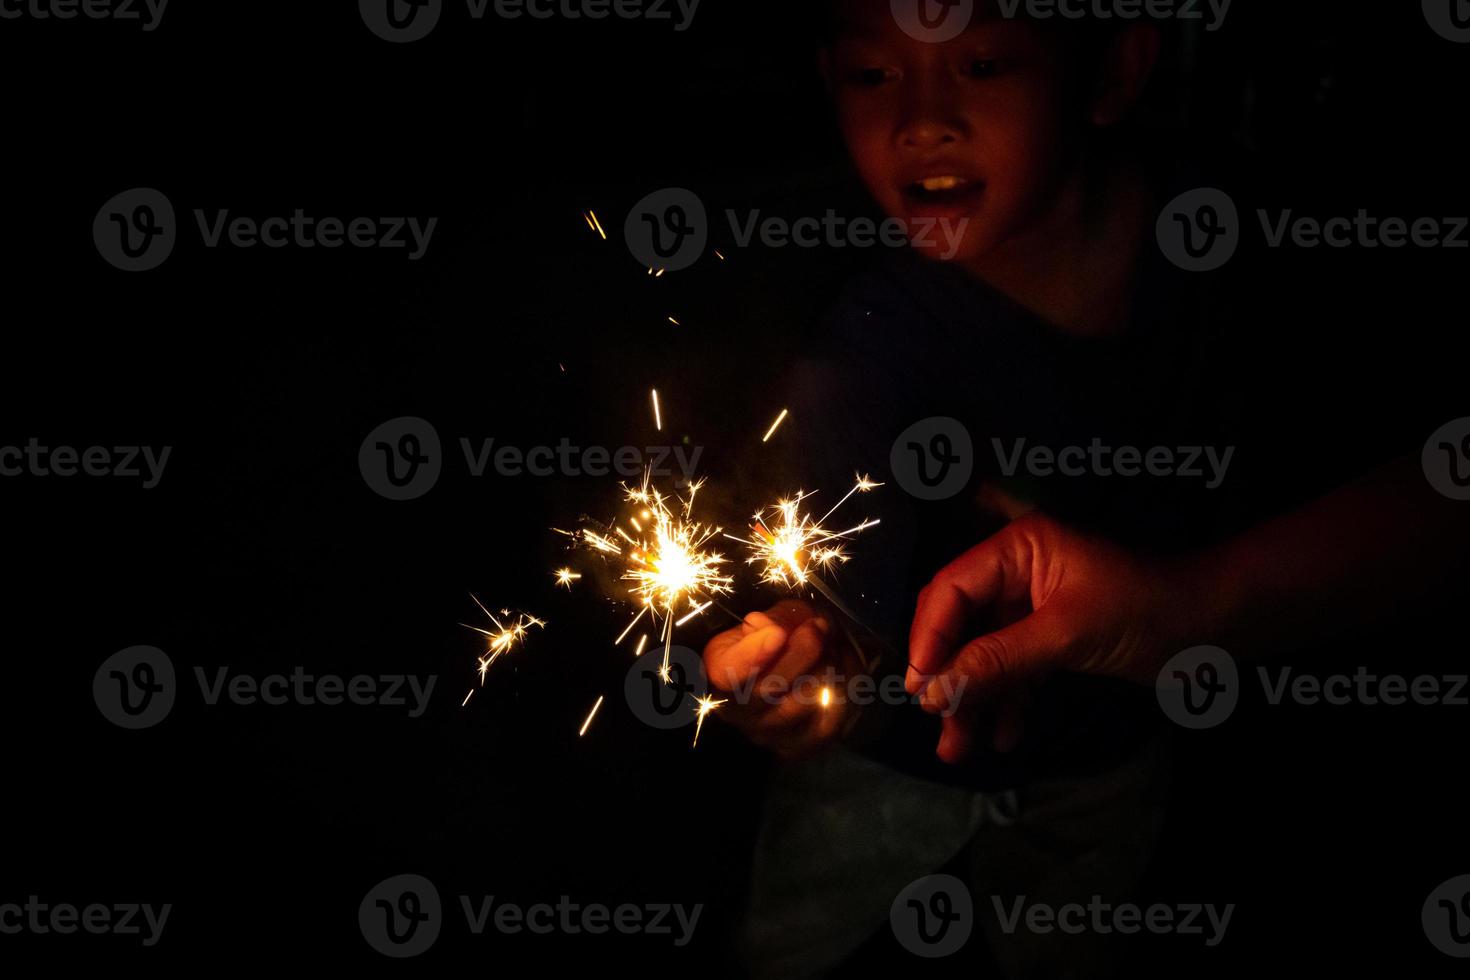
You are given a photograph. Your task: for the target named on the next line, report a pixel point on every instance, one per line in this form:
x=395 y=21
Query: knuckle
x=987 y=657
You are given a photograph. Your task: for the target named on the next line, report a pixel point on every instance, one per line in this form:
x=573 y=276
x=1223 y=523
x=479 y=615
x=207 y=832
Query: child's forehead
x=877 y=18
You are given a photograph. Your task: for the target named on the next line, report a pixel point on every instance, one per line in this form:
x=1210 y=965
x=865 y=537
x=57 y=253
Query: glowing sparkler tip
x=791 y=544
x=775 y=425
x=504 y=637
x=590 y=715
x=705 y=706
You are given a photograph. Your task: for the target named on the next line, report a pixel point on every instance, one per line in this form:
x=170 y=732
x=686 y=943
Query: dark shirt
x=1196 y=368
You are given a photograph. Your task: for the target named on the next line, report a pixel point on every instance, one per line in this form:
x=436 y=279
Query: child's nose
x=928 y=121
x=926 y=134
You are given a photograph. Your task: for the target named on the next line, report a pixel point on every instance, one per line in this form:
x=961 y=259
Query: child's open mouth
x=946 y=191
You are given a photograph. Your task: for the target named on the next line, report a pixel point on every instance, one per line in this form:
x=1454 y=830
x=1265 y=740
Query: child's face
x=984 y=127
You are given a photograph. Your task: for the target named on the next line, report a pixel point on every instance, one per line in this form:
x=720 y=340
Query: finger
x=753 y=621
x=1009 y=725
x=984 y=667
x=780 y=716
x=957 y=737
x=993 y=570
x=737 y=661
x=805 y=647
x=790 y=613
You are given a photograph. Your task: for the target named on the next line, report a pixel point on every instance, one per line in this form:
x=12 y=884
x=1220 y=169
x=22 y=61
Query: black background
x=263 y=549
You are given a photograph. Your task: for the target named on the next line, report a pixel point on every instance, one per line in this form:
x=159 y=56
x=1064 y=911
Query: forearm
x=1345 y=560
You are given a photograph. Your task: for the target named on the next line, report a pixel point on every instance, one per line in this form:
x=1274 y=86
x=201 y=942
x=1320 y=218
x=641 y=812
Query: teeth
x=941 y=183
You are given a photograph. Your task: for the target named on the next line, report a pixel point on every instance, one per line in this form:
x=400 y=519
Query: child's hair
x=827 y=20
x=1086 y=39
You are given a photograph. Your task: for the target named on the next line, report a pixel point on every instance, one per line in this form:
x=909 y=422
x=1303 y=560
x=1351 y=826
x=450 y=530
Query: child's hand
x=773 y=668
x=1093 y=608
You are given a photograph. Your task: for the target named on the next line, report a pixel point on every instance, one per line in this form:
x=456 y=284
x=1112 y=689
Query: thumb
x=957 y=737
x=995 y=661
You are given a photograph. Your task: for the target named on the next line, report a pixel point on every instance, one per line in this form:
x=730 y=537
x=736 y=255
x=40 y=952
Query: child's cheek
x=1024 y=158
x=870 y=146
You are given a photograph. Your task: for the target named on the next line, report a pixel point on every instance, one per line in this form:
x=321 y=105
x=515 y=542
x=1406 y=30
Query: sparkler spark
x=666 y=558
x=505 y=637
x=591 y=218
x=658 y=419
x=670 y=563
x=590 y=715
x=775 y=425
x=791 y=545
x=566 y=576
x=706 y=705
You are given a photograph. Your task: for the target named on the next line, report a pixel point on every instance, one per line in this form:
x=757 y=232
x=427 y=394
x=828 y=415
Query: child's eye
x=872 y=77
x=982 y=68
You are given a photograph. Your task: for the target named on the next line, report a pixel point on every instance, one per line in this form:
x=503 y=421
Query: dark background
x=263 y=549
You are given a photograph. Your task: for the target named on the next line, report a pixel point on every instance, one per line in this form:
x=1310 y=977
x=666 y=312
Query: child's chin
x=947 y=251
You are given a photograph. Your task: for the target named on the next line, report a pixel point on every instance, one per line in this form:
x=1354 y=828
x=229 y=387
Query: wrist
x=1209 y=600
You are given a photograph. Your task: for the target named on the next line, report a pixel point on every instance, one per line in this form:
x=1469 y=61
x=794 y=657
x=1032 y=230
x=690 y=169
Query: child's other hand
x=1093 y=608
x=773 y=668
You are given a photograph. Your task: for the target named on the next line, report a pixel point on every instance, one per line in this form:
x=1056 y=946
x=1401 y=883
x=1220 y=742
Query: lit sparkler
x=792 y=547
x=705 y=706
x=505 y=637
x=666 y=557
